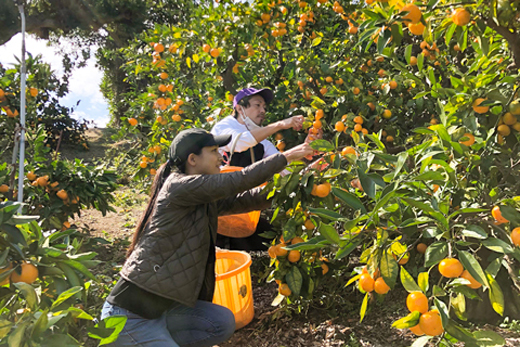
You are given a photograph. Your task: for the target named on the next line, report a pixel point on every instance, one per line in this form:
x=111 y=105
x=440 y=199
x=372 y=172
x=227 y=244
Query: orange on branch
x=450 y=268
x=474 y=284
x=461 y=17
x=416 y=29
x=414 y=14
x=417 y=301
x=515 y=236
x=348 y=150
x=284 y=289
x=319 y=114
x=366 y=282
x=504 y=130
x=497 y=214
x=214 y=52
x=294 y=256
x=380 y=286
x=279 y=250
x=358 y=120
x=421 y=248
x=29 y=274
x=431 y=323
x=339 y=126
x=509 y=119
x=469 y=141
x=479 y=109
x=133 y=122
x=417 y=330
x=358 y=127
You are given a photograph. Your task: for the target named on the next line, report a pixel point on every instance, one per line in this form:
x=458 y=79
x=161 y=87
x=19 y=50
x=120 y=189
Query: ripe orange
x=417 y=330
x=162 y=88
x=323 y=91
x=393 y=84
x=28 y=275
x=309 y=225
x=324 y=269
x=297 y=239
x=163 y=75
x=339 y=126
x=413 y=60
x=403 y=260
x=353 y=30
x=479 y=109
x=460 y=16
x=317 y=124
x=431 y=323
x=417 y=301
x=271 y=252
x=158 y=47
x=66 y=224
x=356 y=90
x=329 y=79
x=389 y=139
x=339 y=81
x=358 y=120
x=504 y=130
x=322 y=190
x=372 y=106
x=416 y=29
x=284 y=289
x=214 y=52
x=450 y=268
x=387 y=114
x=348 y=150
x=294 y=256
x=153 y=171
x=280 y=145
x=421 y=248
x=497 y=214
x=469 y=141
x=358 y=127
x=4 y=188
x=319 y=114
x=33 y=92
x=176 y=118
x=62 y=194
x=474 y=283
x=279 y=250
x=413 y=15
x=366 y=282
x=515 y=236
x=509 y=119
x=206 y=48
x=132 y=121
x=381 y=72
x=380 y=286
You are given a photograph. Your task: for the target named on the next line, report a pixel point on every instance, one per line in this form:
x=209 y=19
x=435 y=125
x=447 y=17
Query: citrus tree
x=418 y=105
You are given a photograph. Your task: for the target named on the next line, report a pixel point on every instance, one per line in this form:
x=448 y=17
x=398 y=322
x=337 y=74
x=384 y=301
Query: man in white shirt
x=249 y=139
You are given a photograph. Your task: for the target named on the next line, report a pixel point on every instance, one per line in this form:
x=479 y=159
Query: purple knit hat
x=265 y=93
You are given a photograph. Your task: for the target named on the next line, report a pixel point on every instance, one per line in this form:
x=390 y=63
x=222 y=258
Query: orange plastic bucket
x=233 y=285
x=238 y=225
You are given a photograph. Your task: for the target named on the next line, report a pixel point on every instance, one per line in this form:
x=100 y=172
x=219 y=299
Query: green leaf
x=420 y=205
x=460 y=333
x=422 y=341
x=40 y=326
x=495 y=295
x=510 y=213
x=322 y=145
x=327 y=214
x=29 y=294
x=80 y=267
x=435 y=253
x=329 y=232
x=16 y=337
x=407 y=322
x=420 y=61
x=59 y=340
x=475 y=231
x=294 y=280
x=346 y=248
x=422 y=280
x=5 y=327
x=316 y=41
x=497 y=245
x=487 y=338
x=108 y=329
x=368 y=184
x=472 y=265
x=15 y=234
x=66 y=295
x=363 y=309
x=459 y=306
x=408 y=282
x=389 y=269
x=349 y=198
x=430 y=176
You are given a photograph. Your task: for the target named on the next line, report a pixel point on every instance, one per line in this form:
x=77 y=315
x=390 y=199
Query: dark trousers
x=250 y=243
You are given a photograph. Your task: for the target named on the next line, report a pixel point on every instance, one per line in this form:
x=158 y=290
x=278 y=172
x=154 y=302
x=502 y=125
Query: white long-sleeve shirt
x=230 y=125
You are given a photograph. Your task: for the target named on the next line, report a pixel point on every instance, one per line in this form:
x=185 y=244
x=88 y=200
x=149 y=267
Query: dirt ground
x=272 y=326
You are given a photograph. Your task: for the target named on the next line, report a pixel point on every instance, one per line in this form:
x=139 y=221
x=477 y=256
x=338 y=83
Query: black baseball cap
x=192 y=140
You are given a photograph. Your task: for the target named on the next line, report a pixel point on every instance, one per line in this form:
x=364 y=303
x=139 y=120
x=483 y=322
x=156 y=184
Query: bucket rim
x=236 y=271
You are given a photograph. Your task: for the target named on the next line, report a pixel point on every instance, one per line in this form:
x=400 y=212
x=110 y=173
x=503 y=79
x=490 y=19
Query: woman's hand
x=298 y=152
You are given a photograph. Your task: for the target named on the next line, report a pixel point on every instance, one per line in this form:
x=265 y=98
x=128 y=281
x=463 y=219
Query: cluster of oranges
x=7 y=109
x=430 y=322
x=507 y=121
x=28 y=274
x=369 y=283
x=321 y=190
x=304 y=18
x=499 y=219
x=214 y=52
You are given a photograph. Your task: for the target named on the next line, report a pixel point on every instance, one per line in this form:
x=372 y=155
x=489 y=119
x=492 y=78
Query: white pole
x=21 y=173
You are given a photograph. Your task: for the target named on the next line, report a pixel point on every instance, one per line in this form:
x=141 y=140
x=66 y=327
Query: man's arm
x=262 y=133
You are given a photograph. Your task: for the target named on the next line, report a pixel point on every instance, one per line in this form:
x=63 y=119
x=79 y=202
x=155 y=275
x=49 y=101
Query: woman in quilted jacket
x=167 y=282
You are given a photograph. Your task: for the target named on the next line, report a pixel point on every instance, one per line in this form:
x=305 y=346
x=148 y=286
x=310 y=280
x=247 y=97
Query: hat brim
x=222 y=140
x=265 y=93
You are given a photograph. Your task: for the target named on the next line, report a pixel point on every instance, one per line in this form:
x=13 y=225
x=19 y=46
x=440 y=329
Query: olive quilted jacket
x=171 y=257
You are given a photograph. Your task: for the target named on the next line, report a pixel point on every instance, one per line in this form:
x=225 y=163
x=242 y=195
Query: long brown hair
x=160 y=177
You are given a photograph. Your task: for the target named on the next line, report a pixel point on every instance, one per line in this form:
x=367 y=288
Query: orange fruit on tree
x=366 y=282
x=158 y=47
x=176 y=118
x=206 y=48
x=280 y=145
x=339 y=126
x=294 y=256
x=62 y=194
x=297 y=239
x=271 y=252
x=417 y=28
x=371 y=106
x=358 y=120
x=132 y=121
x=33 y=92
x=319 y=114
x=348 y=150
x=509 y=119
x=416 y=330
x=163 y=75
x=431 y=323
x=339 y=81
x=317 y=124
x=393 y=84
x=324 y=269
x=29 y=274
x=479 y=109
x=322 y=190
x=413 y=15
x=404 y=259
x=162 y=88
x=460 y=16
x=389 y=139
x=66 y=224
x=450 y=268
x=413 y=60
x=417 y=301
x=309 y=225
x=214 y=52
x=504 y=130
x=380 y=286
x=153 y=171
x=358 y=127
x=421 y=248
x=4 y=188
x=387 y=114
x=323 y=91
x=353 y=30
x=284 y=289
x=469 y=141
x=329 y=79
x=280 y=251
x=515 y=236
x=474 y=284
x=514 y=107
x=381 y=72
x=497 y=214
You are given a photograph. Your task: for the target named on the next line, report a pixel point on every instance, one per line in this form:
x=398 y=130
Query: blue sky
x=83 y=85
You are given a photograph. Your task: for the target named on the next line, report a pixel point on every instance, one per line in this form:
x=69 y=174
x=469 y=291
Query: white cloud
x=83 y=84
